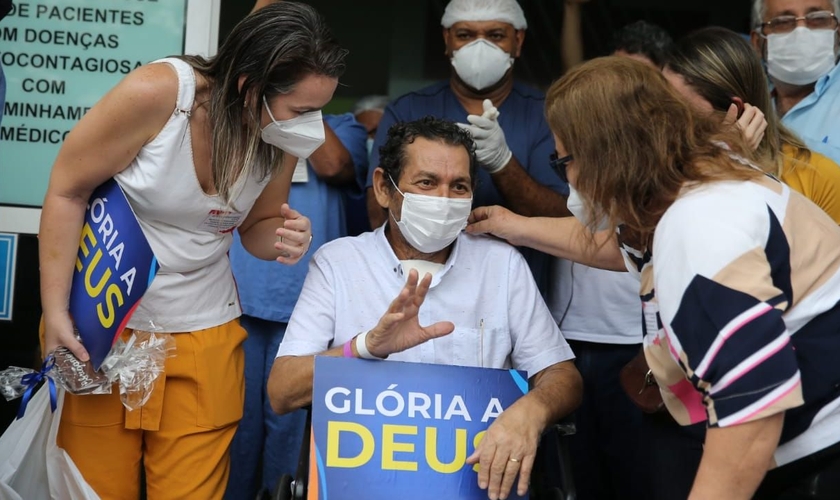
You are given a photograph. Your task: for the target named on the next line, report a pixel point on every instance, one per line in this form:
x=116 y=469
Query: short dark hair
x=392 y=155
x=645 y=39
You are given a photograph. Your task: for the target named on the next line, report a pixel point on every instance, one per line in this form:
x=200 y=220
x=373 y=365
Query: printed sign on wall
x=60 y=57
x=386 y=429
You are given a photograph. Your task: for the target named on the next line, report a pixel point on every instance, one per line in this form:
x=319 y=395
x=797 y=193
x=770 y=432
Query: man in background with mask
x=481 y=306
x=798 y=41
x=368 y=112
x=483 y=38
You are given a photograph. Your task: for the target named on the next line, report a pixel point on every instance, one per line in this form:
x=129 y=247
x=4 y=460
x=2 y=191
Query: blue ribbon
x=31 y=381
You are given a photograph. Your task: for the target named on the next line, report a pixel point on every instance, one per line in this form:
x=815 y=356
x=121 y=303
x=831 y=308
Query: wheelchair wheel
x=283 y=491
x=556 y=494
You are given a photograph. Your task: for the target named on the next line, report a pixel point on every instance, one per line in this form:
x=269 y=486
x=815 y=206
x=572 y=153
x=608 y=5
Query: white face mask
x=300 y=136
x=801 y=56
x=576 y=206
x=481 y=64
x=431 y=223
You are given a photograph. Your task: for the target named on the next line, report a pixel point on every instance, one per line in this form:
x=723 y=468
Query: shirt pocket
x=486 y=347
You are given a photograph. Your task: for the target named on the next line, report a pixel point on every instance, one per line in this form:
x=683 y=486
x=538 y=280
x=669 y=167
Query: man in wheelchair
x=368 y=296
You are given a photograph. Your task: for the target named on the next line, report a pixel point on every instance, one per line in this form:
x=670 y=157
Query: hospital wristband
x=348 y=349
x=361 y=347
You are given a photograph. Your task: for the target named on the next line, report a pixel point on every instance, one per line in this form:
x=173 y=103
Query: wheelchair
x=554 y=441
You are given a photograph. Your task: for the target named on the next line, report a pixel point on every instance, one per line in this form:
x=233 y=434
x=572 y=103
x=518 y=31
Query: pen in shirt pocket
x=481 y=342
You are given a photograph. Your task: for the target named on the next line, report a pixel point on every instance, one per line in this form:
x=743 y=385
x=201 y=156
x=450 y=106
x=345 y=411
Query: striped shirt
x=741 y=301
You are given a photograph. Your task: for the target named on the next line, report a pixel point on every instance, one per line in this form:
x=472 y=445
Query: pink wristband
x=348 y=350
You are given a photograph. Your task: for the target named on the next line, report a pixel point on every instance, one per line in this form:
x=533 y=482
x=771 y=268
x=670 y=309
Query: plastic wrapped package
x=78 y=377
x=133 y=365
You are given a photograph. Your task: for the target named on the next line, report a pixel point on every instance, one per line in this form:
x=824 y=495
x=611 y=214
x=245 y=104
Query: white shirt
x=595 y=305
x=189 y=231
x=352 y=281
x=422 y=267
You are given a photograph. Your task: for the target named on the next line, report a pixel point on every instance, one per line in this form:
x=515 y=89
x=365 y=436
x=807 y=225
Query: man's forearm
x=290 y=382
x=332 y=161
x=735 y=459
x=526 y=196
x=555 y=393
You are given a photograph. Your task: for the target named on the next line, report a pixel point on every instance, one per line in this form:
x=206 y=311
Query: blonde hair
x=719 y=65
x=273 y=48
x=635 y=141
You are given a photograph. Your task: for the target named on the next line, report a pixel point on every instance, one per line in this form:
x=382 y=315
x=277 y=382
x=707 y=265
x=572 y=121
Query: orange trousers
x=182 y=434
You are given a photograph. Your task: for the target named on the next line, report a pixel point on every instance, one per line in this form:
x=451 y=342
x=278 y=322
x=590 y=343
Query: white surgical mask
x=576 y=206
x=299 y=136
x=481 y=64
x=431 y=223
x=801 y=56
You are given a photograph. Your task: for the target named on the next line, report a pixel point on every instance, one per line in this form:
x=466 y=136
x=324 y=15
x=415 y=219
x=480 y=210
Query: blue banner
x=385 y=429
x=114 y=267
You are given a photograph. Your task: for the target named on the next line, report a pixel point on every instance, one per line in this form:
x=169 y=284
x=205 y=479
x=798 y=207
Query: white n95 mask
x=431 y=223
x=481 y=64
x=801 y=56
x=299 y=136
x=576 y=206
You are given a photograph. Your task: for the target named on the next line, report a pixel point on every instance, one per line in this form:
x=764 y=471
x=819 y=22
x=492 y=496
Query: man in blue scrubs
x=505 y=117
x=267 y=445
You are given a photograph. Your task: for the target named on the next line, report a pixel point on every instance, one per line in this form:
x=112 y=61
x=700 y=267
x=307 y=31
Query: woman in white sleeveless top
x=200 y=147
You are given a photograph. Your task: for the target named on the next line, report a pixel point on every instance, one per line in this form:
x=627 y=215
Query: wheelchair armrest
x=295 y=488
x=555 y=442
x=565 y=427
x=299 y=488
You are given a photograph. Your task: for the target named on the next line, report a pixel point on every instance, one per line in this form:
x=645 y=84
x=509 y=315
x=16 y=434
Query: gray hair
x=758 y=11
